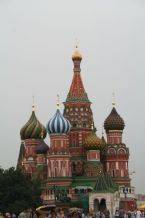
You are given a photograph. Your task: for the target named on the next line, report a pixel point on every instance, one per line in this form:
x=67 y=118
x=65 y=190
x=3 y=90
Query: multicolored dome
x=58 y=124
x=92 y=141
x=33 y=129
x=42 y=148
x=114 y=121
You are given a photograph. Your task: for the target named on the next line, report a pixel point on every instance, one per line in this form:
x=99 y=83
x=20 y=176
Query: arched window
x=121 y=151
x=113 y=173
x=73 y=167
x=84 y=124
x=111 y=151
x=74 y=124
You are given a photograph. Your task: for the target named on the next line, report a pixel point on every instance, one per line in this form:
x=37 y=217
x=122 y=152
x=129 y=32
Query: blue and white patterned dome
x=58 y=124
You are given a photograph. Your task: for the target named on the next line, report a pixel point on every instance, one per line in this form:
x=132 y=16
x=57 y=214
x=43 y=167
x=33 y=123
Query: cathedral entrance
x=96 y=205
x=102 y=205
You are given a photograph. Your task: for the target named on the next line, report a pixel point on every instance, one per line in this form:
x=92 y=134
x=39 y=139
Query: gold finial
x=113 y=100
x=33 y=105
x=76 y=54
x=57 y=102
x=76 y=43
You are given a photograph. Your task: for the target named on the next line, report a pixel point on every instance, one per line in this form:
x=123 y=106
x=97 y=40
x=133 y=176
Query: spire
x=77 y=91
x=113 y=100
x=102 y=131
x=33 y=105
x=103 y=139
x=58 y=104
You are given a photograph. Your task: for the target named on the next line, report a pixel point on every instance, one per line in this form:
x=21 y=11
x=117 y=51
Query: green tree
x=18 y=191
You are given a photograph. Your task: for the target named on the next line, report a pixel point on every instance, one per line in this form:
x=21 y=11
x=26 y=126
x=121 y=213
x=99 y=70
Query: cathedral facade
x=78 y=164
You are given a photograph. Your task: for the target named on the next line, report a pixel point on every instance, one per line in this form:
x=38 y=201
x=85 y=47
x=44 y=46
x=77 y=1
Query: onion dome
x=92 y=141
x=58 y=124
x=33 y=128
x=42 y=148
x=114 y=121
x=76 y=55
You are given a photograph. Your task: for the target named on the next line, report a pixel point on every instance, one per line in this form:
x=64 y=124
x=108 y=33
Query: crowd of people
x=28 y=213
x=60 y=213
x=129 y=214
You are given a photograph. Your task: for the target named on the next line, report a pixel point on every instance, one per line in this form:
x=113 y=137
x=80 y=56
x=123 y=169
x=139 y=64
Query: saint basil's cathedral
x=78 y=165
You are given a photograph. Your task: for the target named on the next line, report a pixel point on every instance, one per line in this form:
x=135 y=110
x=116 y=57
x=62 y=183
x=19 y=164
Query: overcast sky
x=37 y=39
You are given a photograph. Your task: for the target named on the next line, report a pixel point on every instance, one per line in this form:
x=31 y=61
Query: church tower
x=115 y=154
x=78 y=111
x=59 y=159
x=93 y=145
x=31 y=134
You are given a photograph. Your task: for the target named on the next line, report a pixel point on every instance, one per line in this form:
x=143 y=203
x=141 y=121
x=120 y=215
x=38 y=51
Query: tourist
x=7 y=215
x=22 y=214
x=121 y=213
x=116 y=213
x=102 y=215
x=1 y=215
x=138 y=214
x=98 y=215
x=14 y=215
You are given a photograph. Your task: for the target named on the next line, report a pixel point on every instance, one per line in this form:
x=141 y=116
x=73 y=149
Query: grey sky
x=37 y=39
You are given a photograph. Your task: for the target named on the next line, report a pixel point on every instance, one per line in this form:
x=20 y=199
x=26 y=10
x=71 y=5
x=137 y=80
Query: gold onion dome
x=114 y=121
x=92 y=141
x=77 y=55
x=33 y=129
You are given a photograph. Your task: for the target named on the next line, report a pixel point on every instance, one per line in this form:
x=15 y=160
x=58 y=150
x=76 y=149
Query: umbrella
x=142 y=207
x=46 y=208
x=75 y=209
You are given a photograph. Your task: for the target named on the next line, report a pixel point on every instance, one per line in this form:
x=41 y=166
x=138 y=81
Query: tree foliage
x=18 y=191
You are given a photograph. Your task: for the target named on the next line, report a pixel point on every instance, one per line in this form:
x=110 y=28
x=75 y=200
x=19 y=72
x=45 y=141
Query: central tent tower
x=78 y=111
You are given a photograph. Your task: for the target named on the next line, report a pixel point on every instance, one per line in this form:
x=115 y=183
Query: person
x=102 y=215
x=133 y=214
x=7 y=215
x=107 y=214
x=98 y=214
x=117 y=214
x=1 y=215
x=121 y=213
x=83 y=215
x=13 y=215
x=138 y=214
x=22 y=214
